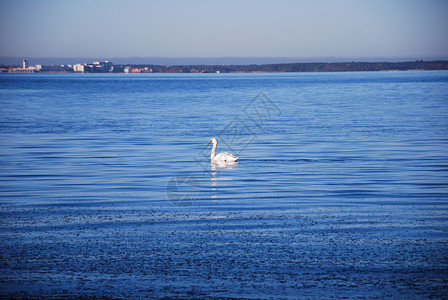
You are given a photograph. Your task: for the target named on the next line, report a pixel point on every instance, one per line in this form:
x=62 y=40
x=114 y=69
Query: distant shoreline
x=418 y=65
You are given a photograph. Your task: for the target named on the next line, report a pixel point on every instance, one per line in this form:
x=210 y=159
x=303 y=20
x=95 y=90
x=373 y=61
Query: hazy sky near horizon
x=213 y=28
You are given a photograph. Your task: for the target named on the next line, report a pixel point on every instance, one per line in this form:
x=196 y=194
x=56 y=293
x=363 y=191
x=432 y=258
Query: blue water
x=341 y=190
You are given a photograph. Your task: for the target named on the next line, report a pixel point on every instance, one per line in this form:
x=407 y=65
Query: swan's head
x=213 y=140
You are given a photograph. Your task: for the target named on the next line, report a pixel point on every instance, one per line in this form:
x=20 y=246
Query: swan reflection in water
x=218 y=166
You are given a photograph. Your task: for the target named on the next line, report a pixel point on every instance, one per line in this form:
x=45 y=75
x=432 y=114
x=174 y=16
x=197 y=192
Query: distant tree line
x=297 y=67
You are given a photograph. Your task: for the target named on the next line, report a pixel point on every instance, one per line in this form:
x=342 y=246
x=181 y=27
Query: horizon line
x=212 y=60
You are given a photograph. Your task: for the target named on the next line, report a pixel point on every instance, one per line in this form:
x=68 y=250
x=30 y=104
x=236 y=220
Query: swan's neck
x=213 y=154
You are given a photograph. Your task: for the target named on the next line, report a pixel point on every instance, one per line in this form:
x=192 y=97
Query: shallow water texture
x=107 y=190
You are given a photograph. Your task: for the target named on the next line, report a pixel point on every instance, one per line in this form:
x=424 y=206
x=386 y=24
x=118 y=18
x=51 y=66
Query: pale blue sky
x=211 y=28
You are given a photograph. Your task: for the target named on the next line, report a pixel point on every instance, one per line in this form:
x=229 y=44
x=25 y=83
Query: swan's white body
x=220 y=157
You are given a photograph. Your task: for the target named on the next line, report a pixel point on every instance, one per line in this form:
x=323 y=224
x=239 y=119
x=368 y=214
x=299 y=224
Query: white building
x=24 y=69
x=78 y=68
x=96 y=67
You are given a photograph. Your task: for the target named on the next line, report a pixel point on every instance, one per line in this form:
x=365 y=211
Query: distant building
x=25 y=68
x=54 y=68
x=96 y=67
x=22 y=70
x=79 y=68
x=130 y=69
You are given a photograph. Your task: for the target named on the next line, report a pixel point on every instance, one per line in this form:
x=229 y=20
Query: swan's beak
x=209 y=142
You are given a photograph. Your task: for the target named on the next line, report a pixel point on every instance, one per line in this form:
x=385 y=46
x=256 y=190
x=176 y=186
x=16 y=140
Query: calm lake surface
x=341 y=190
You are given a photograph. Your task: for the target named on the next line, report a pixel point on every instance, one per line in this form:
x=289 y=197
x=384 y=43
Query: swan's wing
x=225 y=156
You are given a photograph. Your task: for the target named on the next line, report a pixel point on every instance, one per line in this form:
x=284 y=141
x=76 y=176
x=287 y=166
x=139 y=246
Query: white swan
x=223 y=156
